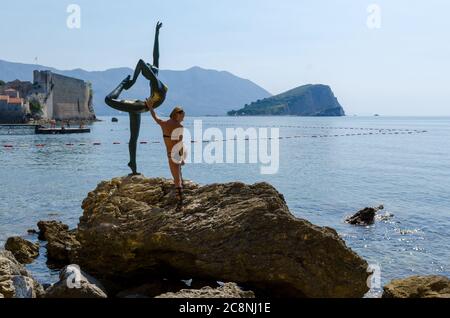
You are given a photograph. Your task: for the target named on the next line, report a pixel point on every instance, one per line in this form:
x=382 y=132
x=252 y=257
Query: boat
x=60 y=131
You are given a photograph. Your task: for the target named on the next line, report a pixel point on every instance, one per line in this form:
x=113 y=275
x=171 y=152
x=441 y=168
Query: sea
x=327 y=168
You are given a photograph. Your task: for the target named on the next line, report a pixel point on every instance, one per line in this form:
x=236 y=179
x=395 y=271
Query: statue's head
x=177 y=114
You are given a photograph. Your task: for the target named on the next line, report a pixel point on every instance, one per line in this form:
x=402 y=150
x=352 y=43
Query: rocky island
x=307 y=100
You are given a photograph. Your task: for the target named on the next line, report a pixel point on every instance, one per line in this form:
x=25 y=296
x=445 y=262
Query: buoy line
x=326 y=127
x=71 y=145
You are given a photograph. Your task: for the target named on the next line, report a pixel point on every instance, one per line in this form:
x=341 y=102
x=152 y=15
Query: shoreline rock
x=228 y=290
x=130 y=229
x=418 y=287
x=16 y=281
x=24 y=251
x=152 y=289
x=74 y=283
x=61 y=242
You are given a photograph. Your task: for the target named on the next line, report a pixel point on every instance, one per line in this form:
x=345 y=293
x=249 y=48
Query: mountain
x=307 y=100
x=199 y=91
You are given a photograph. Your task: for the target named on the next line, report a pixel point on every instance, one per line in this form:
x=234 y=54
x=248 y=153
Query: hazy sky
x=401 y=68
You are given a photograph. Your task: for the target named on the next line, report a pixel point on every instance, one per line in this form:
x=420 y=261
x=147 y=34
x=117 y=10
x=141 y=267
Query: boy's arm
x=158 y=120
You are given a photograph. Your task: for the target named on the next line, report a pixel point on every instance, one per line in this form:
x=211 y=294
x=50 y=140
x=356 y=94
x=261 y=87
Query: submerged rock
x=15 y=280
x=47 y=229
x=24 y=251
x=365 y=216
x=228 y=290
x=234 y=232
x=418 y=287
x=74 y=283
x=61 y=242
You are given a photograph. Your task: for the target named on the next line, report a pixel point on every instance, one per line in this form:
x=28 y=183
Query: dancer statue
x=136 y=107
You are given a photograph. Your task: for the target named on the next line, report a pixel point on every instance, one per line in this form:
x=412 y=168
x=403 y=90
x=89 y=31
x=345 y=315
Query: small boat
x=115 y=120
x=61 y=131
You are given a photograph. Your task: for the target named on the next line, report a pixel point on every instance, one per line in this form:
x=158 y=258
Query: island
x=306 y=100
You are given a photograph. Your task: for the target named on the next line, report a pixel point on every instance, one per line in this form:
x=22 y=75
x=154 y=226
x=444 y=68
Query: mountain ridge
x=200 y=91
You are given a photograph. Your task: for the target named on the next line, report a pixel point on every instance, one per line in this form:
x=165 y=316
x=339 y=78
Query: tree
x=35 y=107
x=2 y=83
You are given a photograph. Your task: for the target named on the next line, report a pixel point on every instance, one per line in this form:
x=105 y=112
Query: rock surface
x=365 y=216
x=229 y=290
x=152 y=289
x=229 y=232
x=418 y=287
x=24 y=251
x=15 y=280
x=74 y=283
x=61 y=242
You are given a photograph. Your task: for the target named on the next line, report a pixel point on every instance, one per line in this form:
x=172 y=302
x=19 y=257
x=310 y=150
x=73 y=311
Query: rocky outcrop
x=15 y=280
x=306 y=100
x=24 y=251
x=152 y=289
x=418 y=287
x=74 y=283
x=61 y=242
x=233 y=232
x=365 y=216
x=229 y=290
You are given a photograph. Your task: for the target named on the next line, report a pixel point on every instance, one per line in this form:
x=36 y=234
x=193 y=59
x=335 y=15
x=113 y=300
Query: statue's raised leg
x=146 y=71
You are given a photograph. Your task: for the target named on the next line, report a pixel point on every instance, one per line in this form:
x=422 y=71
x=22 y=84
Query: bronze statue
x=136 y=107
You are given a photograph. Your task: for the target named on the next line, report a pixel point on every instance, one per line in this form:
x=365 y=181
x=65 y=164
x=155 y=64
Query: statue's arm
x=156 y=46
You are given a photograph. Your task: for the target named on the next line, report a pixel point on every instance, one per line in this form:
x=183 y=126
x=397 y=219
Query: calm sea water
x=329 y=169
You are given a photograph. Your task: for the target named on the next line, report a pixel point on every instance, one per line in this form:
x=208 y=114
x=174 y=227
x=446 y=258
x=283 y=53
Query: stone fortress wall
x=64 y=98
x=60 y=97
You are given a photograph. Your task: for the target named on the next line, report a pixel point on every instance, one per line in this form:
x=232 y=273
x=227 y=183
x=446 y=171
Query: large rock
x=23 y=250
x=152 y=289
x=229 y=290
x=229 y=232
x=74 y=283
x=418 y=287
x=61 y=242
x=15 y=280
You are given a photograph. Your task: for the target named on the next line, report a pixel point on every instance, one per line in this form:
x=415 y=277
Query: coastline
x=326 y=211
x=85 y=245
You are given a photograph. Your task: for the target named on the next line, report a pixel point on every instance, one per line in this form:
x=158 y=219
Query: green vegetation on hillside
x=35 y=107
x=307 y=100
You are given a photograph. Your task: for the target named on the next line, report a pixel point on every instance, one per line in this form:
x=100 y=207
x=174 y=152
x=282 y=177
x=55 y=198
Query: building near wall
x=12 y=107
x=24 y=88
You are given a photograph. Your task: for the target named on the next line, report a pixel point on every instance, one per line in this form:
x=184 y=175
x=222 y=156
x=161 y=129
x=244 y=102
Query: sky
x=391 y=59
